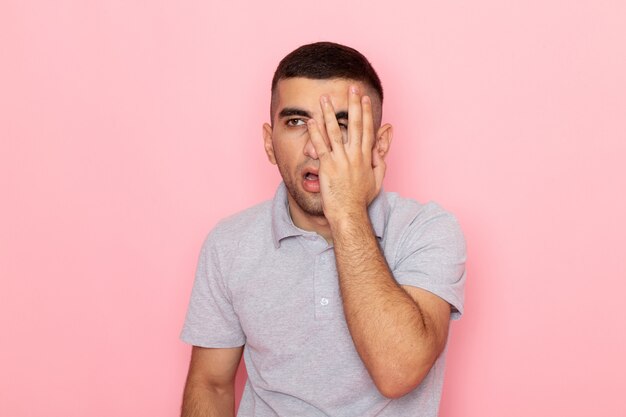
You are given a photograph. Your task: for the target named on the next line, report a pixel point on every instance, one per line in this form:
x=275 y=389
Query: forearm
x=390 y=332
x=201 y=400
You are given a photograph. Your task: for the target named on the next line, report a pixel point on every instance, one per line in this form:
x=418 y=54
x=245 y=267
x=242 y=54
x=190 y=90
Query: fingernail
x=324 y=99
x=354 y=89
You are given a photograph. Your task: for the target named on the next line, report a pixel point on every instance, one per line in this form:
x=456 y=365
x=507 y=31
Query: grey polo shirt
x=265 y=283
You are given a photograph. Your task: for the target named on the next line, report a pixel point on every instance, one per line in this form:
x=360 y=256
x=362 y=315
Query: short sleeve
x=432 y=255
x=211 y=320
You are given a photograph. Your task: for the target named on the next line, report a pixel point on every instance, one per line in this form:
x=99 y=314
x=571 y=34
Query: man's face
x=287 y=142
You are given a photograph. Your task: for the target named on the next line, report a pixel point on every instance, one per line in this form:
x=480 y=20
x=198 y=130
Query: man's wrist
x=349 y=218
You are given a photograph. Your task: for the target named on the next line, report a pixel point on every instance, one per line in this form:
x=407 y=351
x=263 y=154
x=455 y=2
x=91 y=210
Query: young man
x=341 y=293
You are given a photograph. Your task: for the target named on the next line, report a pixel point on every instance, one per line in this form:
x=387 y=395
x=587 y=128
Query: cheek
x=295 y=133
x=286 y=154
x=291 y=143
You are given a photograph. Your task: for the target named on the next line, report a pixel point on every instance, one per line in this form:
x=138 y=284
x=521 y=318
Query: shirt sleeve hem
x=211 y=343
x=442 y=293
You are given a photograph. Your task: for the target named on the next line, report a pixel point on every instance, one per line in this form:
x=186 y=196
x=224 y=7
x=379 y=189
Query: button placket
x=325 y=286
x=313 y=243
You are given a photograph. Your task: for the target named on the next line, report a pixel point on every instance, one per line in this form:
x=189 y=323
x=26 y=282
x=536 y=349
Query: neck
x=309 y=222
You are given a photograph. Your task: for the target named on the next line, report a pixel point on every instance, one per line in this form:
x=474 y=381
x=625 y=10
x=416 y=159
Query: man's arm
x=210 y=387
x=398 y=332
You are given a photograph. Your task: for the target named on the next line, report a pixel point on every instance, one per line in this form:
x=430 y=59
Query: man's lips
x=311 y=177
x=311 y=181
x=310 y=174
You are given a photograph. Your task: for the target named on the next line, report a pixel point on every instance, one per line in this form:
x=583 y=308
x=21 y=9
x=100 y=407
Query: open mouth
x=311 y=180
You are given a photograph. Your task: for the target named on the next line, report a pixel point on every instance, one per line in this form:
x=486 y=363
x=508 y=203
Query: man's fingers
x=317 y=139
x=332 y=126
x=355 y=118
x=368 y=127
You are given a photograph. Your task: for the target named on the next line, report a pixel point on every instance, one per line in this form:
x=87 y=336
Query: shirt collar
x=283 y=227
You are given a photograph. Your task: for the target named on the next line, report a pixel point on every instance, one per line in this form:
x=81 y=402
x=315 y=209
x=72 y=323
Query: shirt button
x=324 y=301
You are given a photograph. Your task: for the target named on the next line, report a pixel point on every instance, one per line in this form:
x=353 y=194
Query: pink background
x=129 y=128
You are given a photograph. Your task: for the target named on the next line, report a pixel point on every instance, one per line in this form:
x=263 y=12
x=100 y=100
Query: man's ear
x=383 y=140
x=268 y=144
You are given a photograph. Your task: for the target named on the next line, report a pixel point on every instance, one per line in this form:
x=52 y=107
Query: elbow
x=396 y=388
x=397 y=381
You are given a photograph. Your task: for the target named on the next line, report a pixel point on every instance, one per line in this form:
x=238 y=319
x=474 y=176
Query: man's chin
x=310 y=204
x=311 y=208
x=315 y=213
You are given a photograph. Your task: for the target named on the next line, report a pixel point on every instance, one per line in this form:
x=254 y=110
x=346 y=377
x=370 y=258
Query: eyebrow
x=293 y=111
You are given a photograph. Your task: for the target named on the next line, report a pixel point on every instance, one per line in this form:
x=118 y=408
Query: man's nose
x=309 y=149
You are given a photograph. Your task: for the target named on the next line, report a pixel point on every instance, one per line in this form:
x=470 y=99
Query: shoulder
x=250 y=218
x=252 y=222
x=411 y=212
x=428 y=223
x=425 y=248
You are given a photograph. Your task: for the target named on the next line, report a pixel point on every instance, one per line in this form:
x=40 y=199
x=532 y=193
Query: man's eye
x=296 y=122
x=343 y=125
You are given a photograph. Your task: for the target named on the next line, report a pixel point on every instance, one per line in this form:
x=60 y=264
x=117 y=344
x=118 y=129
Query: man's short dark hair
x=327 y=60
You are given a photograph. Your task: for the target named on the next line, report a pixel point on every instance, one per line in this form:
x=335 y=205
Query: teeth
x=310 y=176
